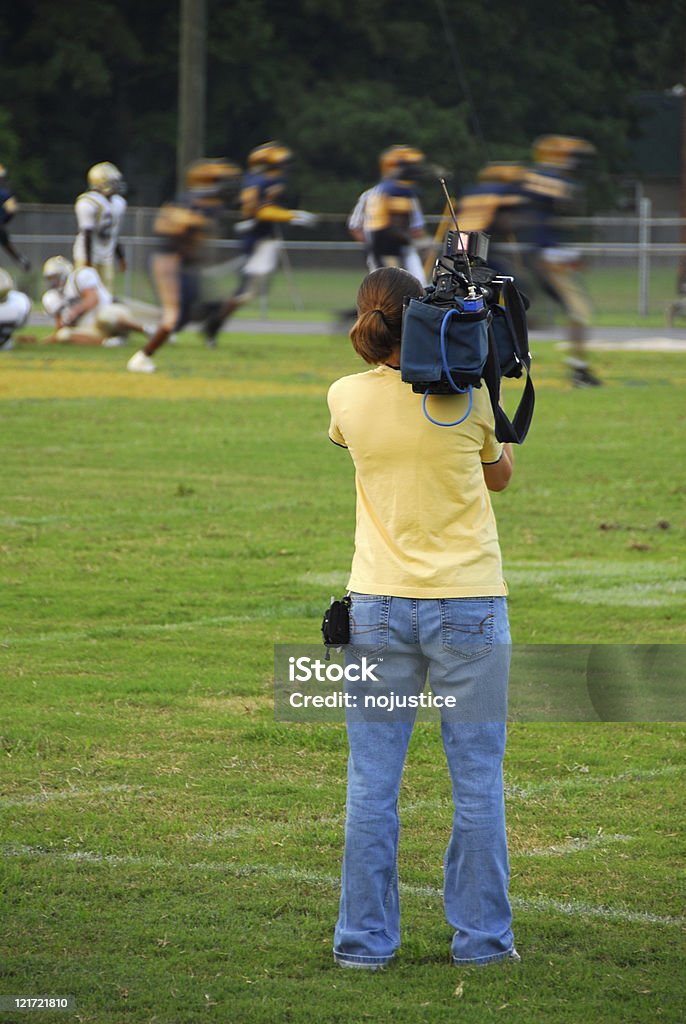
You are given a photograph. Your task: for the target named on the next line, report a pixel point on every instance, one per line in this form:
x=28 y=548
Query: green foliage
x=98 y=80
x=339 y=131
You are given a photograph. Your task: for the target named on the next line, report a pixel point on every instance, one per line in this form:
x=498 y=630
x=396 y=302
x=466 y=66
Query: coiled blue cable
x=453 y=385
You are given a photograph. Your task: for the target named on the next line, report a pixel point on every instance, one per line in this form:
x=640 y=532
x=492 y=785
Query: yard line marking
x=98 y=632
x=281 y=873
x=514 y=791
x=571 y=845
x=266 y=828
x=47 y=796
x=127 y=629
x=580 y=781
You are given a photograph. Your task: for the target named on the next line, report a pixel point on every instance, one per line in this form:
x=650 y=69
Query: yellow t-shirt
x=425 y=526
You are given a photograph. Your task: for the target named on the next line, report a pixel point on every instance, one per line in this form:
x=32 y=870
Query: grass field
x=170 y=852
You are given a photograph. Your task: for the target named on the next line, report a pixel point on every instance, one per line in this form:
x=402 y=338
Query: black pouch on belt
x=336 y=623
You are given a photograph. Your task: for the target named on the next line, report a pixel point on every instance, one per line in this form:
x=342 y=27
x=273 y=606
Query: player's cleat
x=585 y=379
x=140 y=363
x=114 y=342
x=581 y=376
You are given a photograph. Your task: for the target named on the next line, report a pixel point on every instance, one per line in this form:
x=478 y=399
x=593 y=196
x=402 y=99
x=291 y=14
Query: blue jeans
x=464 y=646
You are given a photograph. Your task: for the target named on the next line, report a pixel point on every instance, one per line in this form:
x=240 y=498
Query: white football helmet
x=105 y=178
x=6 y=284
x=56 y=270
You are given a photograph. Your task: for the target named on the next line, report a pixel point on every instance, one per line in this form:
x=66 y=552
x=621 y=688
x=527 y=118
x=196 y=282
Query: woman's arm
x=498 y=474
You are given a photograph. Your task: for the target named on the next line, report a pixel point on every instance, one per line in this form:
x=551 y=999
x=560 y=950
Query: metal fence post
x=644 y=215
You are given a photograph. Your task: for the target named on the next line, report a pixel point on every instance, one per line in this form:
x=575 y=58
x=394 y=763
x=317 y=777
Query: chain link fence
x=631 y=262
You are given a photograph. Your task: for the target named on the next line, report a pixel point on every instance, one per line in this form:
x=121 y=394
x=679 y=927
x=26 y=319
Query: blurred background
x=153 y=86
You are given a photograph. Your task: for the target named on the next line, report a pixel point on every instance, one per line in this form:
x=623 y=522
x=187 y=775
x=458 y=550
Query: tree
x=335 y=79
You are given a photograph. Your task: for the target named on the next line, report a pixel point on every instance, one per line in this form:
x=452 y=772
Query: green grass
x=170 y=851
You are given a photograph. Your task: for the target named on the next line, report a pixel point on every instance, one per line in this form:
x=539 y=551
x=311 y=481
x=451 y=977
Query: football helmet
x=401 y=162
x=6 y=284
x=213 y=178
x=563 y=151
x=56 y=270
x=105 y=178
x=271 y=156
x=507 y=173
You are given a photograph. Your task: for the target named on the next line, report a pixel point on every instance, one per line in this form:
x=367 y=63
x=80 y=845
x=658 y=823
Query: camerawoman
x=428 y=601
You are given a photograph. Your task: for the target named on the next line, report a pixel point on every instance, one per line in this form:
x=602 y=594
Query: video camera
x=469 y=327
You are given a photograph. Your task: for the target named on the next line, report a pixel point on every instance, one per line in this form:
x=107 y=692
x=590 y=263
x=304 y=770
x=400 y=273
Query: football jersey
x=94 y=213
x=263 y=199
x=392 y=205
x=77 y=283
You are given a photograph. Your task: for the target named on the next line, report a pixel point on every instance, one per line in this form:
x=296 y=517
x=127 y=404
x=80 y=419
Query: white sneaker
x=140 y=363
x=115 y=342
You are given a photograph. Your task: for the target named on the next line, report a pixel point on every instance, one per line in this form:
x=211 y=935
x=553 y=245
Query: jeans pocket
x=368 y=625
x=468 y=626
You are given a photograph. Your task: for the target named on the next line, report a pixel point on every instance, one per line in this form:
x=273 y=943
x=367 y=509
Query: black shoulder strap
x=516 y=430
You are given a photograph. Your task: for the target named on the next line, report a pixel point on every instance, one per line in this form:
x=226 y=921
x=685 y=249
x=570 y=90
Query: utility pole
x=190 y=140
x=681 y=275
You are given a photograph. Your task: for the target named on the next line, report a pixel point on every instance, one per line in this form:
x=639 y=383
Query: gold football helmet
x=505 y=172
x=213 y=177
x=105 y=178
x=6 y=284
x=563 y=151
x=271 y=156
x=56 y=270
x=401 y=162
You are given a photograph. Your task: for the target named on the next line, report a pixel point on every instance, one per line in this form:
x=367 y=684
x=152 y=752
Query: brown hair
x=376 y=332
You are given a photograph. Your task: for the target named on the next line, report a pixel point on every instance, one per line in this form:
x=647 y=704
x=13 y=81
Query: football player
x=8 y=208
x=392 y=220
x=99 y=214
x=494 y=204
x=15 y=308
x=264 y=208
x=182 y=228
x=551 y=190
x=82 y=307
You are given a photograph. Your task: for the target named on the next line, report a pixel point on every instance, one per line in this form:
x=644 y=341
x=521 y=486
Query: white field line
x=113 y=631
x=578 y=780
x=512 y=791
x=133 y=629
x=656 y=344
x=281 y=873
x=567 y=581
x=47 y=796
x=571 y=845
x=575 y=781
